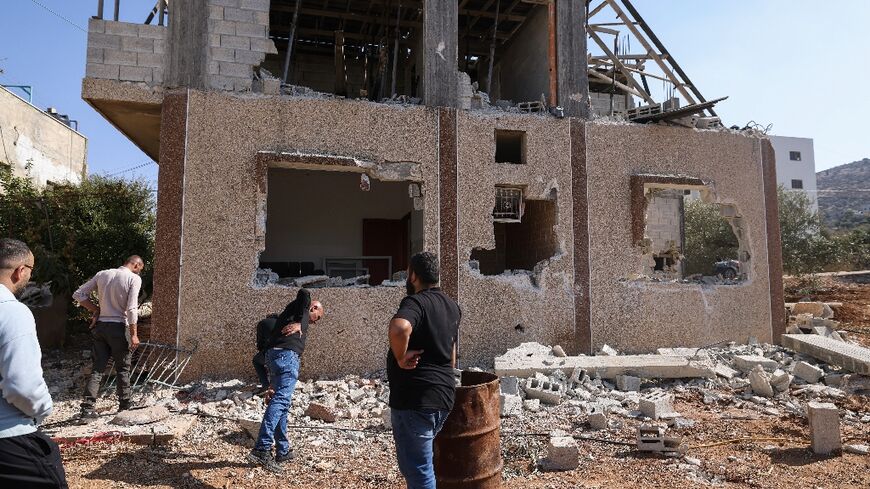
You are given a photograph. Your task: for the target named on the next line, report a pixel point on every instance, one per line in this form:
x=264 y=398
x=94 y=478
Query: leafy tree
x=806 y=247
x=709 y=238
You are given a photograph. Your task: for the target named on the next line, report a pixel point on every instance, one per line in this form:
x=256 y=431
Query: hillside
x=844 y=194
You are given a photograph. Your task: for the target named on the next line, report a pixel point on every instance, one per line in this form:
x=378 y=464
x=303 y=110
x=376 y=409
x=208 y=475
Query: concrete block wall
x=126 y=52
x=238 y=42
x=663 y=219
x=601 y=103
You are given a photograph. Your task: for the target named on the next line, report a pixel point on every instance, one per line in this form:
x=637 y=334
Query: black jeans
x=110 y=340
x=30 y=461
x=260 y=367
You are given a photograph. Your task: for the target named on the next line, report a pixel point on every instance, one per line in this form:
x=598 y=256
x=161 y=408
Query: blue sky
x=801 y=65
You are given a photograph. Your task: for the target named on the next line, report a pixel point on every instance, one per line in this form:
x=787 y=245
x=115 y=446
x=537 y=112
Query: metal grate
x=508 y=204
x=153 y=364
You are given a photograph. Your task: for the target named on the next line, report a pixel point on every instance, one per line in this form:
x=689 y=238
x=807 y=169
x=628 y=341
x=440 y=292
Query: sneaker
x=264 y=458
x=125 y=405
x=280 y=459
x=88 y=413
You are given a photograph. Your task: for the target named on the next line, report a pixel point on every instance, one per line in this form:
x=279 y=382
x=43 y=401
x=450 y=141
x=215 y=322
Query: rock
x=760 y=382
x=387 y=418
x=598 y=421
x=808 y=372
x=816 y=309
x=510 y=405
x=608 y=351
x=533 y=405
x=559 y=352
x=133 y=417
x=562 y=454
x=746 y=363
x=857 y=449
x=627 y=383
x=322 y=412
x=725 y=371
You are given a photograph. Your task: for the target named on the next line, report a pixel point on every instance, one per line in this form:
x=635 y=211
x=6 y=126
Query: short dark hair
x=12 y=252
x=134 y=259
x=425 y=267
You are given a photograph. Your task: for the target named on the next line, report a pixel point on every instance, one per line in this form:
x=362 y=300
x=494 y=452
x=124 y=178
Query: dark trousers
x=30 y=461
x=260 y=367
x=111 y=340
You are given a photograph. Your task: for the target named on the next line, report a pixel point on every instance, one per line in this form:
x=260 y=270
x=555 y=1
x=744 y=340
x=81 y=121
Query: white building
x=40 y=144
x=796 y=165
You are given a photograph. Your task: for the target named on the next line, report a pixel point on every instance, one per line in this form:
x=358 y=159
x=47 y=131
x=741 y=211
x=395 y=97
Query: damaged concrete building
x=470 y=129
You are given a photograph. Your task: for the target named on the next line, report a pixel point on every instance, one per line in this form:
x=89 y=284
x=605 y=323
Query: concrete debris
x=760 y=382
x=807 y=372
x=533 y=405
x=598 y=421
x=627 y=383
x=725 y=371
x=816 y=309
x=781 y=380
x=607 y=351
x=510 y=406
x=562 y=454
x=657 y=405
x=133 y=417
x=850 y=357
x=558 y=351
x=746 y=363
x=548 y=392
x=824 y=419
x=322 y=412
x=857 y=449
x=387 y=418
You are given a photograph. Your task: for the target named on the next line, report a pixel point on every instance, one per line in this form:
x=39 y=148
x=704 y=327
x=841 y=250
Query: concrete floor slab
x=643 y=366
x=850 y=357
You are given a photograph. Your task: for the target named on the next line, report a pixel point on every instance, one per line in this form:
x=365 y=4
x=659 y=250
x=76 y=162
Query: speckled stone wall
x=499 y=312
x=639 y=316
x=219 y=307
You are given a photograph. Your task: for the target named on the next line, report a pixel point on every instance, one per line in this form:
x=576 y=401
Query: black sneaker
x=280 y=459
x=124 y=405
x=264 y=458
x=88 y=413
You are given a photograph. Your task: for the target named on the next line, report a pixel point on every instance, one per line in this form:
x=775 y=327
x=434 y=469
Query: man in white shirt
x=115 y=330
x=28 y=458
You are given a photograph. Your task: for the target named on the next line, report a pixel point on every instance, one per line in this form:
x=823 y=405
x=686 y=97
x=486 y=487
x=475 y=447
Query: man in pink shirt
x=114 y=334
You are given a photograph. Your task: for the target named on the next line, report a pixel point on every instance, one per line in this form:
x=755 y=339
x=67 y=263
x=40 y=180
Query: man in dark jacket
x=285 y=347
x=420 y=363
x=264 y=333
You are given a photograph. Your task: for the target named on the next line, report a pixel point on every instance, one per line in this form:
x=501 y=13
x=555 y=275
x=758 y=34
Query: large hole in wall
x=332 y=229
x=520 y=245
x=688 y=237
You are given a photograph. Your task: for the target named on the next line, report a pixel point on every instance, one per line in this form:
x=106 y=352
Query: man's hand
x=267 y=397
x=411 y=359
x=134 y=342
x=292 y=328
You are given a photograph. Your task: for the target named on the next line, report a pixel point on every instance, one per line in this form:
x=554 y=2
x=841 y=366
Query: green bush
x=709 y=238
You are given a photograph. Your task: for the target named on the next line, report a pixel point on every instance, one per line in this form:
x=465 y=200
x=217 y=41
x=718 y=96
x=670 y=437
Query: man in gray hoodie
x=28 y=458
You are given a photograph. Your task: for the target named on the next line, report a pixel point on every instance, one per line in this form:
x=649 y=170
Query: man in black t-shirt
x=420 y=364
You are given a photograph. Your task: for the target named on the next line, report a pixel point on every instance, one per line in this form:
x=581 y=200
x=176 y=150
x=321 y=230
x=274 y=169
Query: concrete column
x=188 y=45
x=571 y=57
x=440 y=50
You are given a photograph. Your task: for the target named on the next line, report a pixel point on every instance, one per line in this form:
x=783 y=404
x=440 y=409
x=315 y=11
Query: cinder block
x=650 y=438
x=151 y=60
x=235 y=42
x=159 y=46
x=235 y=69
x=222 y=82
x=137 y=44
x=238 y=15
x=261 y=18
x=510 y=405
x=656 y=405
x=157 y=75
x=746 y=363
x=250 y=29
x=105 y=41
x=259 y=5
x=225 y=3
x=547 y=392
x=95 y=55
x=222 y=27
x=122 y=29
x=824 y=419
x=808 y=372
x=223 y=54
x=509 y=386
x=627 y=383
x=98 y=70
x=263 y=45
x=562 y=454
x=96 y=25
x=121 y=58
x=215 y=12
x=152 y=31
x=214 y=68
x=135 y=73
x=247 y=57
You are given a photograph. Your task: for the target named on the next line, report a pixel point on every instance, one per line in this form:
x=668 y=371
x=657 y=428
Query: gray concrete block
x=225 y=3
x=148 y=31
x=259 y=5
x=122 y=29
x=251 y=29
x=261 y=18
x=159 y=46
x=562 y=454
x=243 y=84
x=850 y=357
x=628 y=383
x=725 y=371
x=263 y=45
x=157 y=75
x=223 y=54
x=121 y=58
x=656 y=405
x=238 y=15
x=95 y=55
x=510 y=406
x=248 y=57
x=746 y=363
x=215 y=12
x=98 y=70
x=597 y=421
x=137 y=44
x=807 y=372
x=105 y=41
x=222 y=82
x=214 y=68
x=222 y=27
x=235 y=42
x=214 y=40
x=135 y=73
x=547 y=392
x=151 y=60
x=824 y=419
x=96 y=25
x=235 y=69
x=509 y=386
x=760 y=382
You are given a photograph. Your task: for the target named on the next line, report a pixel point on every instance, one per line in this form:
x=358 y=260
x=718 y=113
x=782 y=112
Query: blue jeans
x=284 y=371
x=413 y=432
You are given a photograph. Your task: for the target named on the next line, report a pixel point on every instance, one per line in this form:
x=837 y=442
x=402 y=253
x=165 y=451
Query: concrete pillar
x=441 y=53
x=571 y=55
x=188 y=45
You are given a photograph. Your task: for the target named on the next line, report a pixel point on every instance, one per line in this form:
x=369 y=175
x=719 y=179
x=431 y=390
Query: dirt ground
x=774 y=451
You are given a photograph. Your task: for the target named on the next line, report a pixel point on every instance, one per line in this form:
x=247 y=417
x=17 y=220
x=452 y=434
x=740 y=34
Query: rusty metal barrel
x=468 y=448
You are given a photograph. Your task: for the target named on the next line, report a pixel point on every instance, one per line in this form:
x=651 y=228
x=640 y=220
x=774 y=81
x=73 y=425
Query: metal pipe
x=290 y=39
x=161 y=5
x=396 y=49
x=117 y=9
x=492 y=49
x=551 y=53
x=100 y=9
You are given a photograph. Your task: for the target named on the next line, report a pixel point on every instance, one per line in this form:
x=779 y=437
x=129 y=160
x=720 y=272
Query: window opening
x=794 y=155
x=510 y=146
x=797 y=184
x=508 y=205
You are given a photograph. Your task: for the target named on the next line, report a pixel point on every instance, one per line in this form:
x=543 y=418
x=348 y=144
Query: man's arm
x=400 y=334
x=83 y=295
x=21 y=379
x=131 y=314
x=453 y=364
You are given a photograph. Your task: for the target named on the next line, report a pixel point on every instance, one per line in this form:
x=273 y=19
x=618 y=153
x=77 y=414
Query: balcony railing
x=160 y=10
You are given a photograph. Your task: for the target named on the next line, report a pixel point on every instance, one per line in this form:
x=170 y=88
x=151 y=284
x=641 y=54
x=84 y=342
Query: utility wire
x=61 y=17
x=141 y=165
